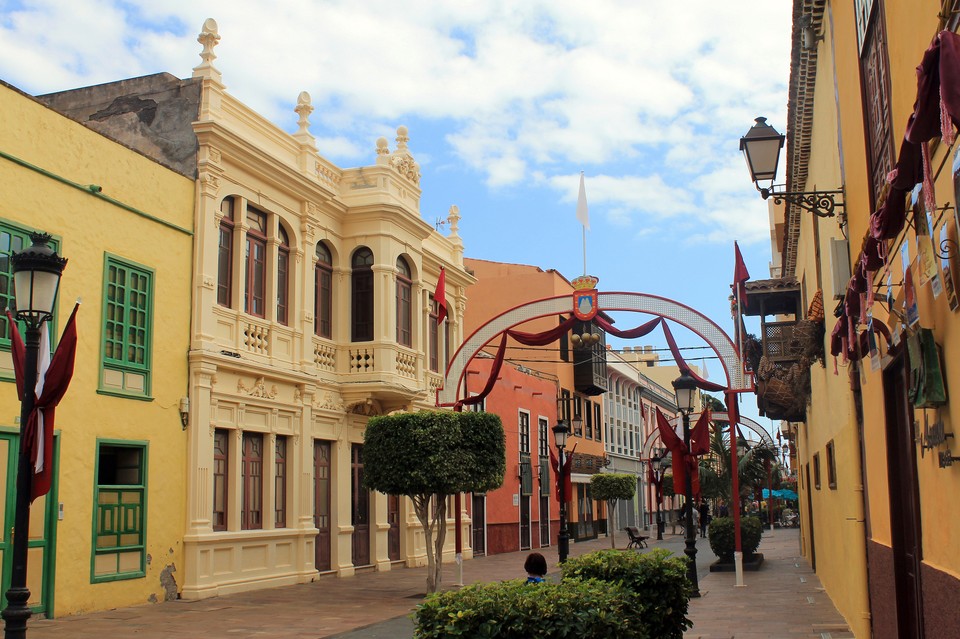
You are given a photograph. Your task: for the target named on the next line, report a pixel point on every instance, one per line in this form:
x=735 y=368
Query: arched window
x=362 y=295
x=323 y=293
x=256 y=260
x=225 y=254
x=283 y=278
x=404 y=306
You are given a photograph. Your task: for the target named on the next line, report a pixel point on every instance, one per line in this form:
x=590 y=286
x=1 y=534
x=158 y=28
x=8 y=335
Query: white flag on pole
x=583 y=215
x=43 y=363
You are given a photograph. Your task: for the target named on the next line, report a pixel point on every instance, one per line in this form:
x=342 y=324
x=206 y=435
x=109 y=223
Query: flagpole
x=584 y=229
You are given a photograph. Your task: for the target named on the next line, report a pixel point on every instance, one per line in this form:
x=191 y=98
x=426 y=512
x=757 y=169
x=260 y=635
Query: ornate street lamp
x=560 y=433
x=761 y=148
x=685 y=388
x=36 y=280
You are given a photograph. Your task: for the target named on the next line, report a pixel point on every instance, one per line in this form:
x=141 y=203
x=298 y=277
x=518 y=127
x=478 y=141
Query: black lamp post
x=560 y=433
x=660 y=464
x=36 y=281
x=685 y=387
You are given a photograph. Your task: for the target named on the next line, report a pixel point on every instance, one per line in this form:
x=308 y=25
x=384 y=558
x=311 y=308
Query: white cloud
x=648 y=96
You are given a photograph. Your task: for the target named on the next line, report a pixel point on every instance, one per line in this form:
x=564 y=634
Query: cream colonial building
x=312 y=311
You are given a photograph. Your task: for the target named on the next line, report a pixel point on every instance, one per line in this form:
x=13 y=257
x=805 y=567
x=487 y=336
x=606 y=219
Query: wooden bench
x=636 y=539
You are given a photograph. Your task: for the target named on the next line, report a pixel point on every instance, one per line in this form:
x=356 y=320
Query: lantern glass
x=685 y=388
x=761 y=148
x=560 y=432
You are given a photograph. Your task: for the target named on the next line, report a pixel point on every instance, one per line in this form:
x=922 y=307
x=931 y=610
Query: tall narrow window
x=127 y=328
x=362 y=296
x=283 y=278
x=225 y=254
x=280 y=484
x=323 y=293
x=433 y=331
x=404 y=311
x=12 y=240
x=120 y=513
x=251 y=517
x=524 y=432
x=588 y=407
x=526 y=467
x=221 y=442
x=256 y=256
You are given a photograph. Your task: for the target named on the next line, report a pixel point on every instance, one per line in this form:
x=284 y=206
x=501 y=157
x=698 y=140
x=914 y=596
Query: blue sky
x=506 y=102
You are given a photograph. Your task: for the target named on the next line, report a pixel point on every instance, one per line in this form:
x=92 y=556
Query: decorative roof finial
x=209 y=38
x=304 y=108
x=454 y=219
x=402 y=138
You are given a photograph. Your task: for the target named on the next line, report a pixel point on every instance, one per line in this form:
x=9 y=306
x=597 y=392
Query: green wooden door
x=43 y=518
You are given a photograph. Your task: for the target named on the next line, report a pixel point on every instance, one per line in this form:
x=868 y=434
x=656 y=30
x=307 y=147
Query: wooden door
x=321 y=503
x=524 y=522
x=478 y=517
x=40 y=545
x=904 y=500
x=393 y=534
x=544 y=521
x=359 y=508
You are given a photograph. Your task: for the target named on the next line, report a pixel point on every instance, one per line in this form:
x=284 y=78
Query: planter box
x=753 y=562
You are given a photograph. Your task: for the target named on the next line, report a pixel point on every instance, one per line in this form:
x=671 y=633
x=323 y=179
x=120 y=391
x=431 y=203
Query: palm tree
x=716 y=472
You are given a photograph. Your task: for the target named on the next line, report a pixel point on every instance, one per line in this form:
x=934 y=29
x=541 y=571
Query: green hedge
x=657 y=578
x=722 y=541
x=590 y=609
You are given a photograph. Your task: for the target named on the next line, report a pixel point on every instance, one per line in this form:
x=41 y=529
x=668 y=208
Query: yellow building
x=126 y=225
x=313 y=310
x=872 y=438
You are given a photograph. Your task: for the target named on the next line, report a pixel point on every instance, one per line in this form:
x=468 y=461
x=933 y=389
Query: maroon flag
x=740 y=276
x=53 y=380
x=700 y=435
x=568 y=480
x=440 y=295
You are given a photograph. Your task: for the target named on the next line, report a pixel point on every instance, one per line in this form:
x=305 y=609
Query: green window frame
x=120 y=511
x=13 y=238
x=127 y=329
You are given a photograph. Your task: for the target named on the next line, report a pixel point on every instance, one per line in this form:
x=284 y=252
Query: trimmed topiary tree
x=612 y=487
x=657 y=578
x=429 y=455
x=722 y=541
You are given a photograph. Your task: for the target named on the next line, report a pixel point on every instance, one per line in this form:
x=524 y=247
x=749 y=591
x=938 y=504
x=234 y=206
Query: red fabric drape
x=40 y=423
x=684 y=367
x=440 y=296
x=682 y=461
x=568 y=480
x=632 y=333
x=740 y=276
x=528 y=339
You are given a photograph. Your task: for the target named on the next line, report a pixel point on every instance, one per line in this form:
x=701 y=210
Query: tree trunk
x=440 y=523
x=611 y=515
x=421 y=505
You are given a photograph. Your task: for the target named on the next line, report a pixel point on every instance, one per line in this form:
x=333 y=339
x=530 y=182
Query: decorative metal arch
x=700 y=324
x=717 y=417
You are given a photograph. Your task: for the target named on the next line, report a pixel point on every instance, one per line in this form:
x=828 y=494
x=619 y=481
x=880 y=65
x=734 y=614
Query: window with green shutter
x=127 y=328
x=119 y=525
x=13 y=239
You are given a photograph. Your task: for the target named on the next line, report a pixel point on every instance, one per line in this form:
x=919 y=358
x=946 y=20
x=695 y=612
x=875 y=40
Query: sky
x=506 y=102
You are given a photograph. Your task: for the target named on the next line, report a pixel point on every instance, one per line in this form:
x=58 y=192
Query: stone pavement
x=782 y=600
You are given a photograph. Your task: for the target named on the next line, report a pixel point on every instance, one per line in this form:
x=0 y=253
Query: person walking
x=704 y=517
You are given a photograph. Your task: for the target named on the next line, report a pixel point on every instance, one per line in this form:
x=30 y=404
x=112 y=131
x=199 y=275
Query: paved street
x=783 y=599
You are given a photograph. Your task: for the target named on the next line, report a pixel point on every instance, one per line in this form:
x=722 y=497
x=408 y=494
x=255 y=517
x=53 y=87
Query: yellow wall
x=89 y=226
x=841 y=526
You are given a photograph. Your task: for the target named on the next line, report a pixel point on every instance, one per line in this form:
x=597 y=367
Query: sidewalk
x=783 y=599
